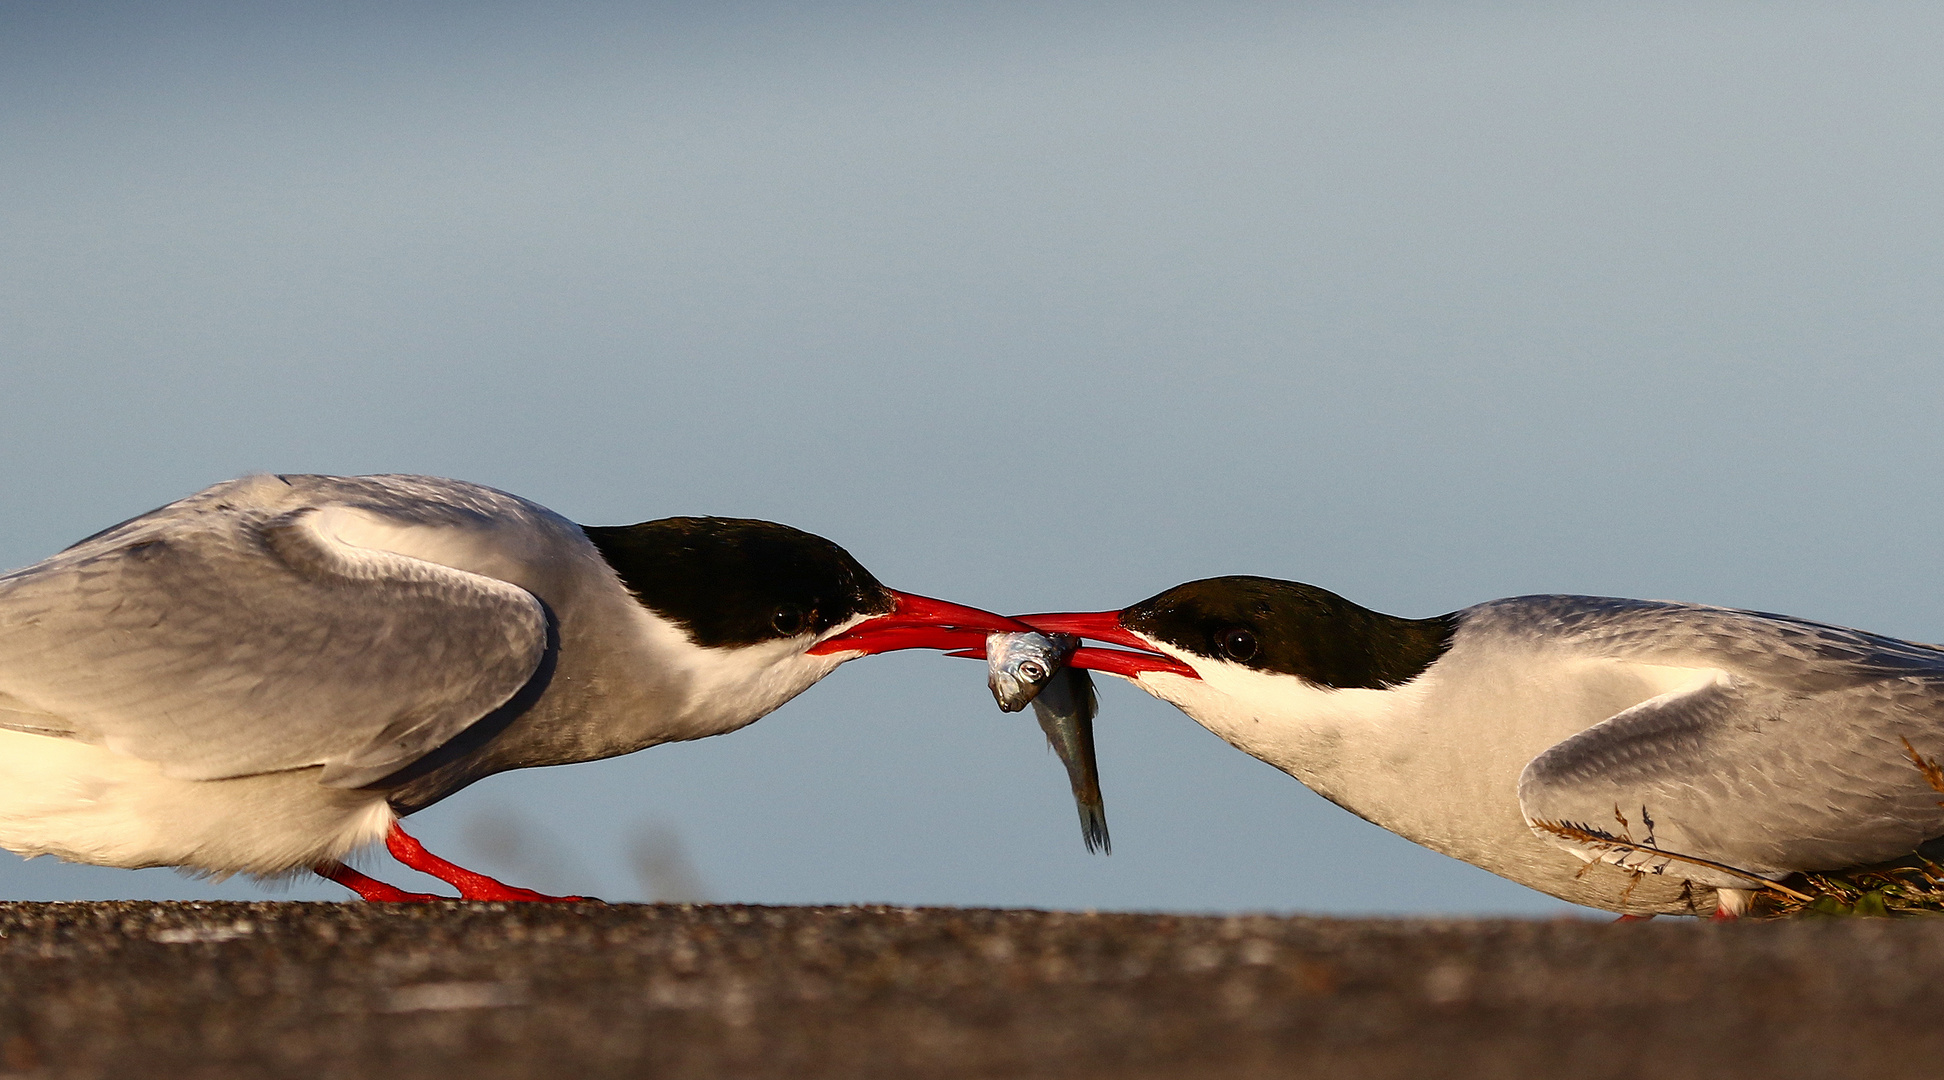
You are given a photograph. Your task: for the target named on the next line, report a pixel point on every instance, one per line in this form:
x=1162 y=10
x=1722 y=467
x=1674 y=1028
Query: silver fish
x=1024 y=668
x=1018 y=665
x=1066 y=706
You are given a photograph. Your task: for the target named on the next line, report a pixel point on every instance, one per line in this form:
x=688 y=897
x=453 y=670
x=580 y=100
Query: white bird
x=1638 y=756
x=263 y=677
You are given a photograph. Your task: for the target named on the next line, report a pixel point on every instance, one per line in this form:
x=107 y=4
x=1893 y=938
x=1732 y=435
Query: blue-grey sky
x=1029 y=305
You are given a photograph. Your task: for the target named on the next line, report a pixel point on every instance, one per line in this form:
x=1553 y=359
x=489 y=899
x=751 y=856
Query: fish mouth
x=921 y=622
x=1106 y=626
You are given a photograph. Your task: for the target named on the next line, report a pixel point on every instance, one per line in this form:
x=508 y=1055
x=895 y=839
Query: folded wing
x=222 y=641
x=1761 y=774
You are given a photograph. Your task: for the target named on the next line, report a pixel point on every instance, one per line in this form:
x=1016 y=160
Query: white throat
x=1333 y=740
x=716 y=690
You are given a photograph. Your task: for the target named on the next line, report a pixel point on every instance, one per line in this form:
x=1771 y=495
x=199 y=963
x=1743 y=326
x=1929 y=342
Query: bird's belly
x=1482 y=828
x=86 y=803
x=1556 y=872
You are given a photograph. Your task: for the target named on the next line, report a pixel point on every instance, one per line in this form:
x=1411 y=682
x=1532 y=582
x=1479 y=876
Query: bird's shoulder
x=452 y=523
x=1801 y=654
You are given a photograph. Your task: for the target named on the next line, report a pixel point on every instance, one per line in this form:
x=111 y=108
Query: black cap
x=736 y=581
x=1290 y=628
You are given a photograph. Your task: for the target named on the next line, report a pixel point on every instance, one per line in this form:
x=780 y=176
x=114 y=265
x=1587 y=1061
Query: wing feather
x=232 y=635
x=1788 y=653
x=1762 y=777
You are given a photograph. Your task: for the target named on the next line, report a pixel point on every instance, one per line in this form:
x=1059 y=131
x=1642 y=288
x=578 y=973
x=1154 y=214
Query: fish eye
x=789 y=620
x=1033 y=670
x=1236 y=643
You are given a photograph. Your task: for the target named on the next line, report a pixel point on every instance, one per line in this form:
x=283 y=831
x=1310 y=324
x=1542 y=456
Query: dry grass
x=1913 y=885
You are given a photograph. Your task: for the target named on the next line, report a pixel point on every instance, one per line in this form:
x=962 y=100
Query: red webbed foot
x=370 y=888
x=471 y=884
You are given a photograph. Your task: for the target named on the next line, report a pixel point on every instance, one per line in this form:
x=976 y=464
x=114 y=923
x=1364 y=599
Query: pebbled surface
x=505 y=990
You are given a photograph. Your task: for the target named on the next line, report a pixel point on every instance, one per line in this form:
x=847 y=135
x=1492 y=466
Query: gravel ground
x=493 y=990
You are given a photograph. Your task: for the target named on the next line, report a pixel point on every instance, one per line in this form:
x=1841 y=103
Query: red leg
x=371 y=888
x=471 y=885
x=1723 y=915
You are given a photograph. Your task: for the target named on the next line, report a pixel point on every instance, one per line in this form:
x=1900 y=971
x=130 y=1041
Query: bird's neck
x=1332 y=740
x=726 y=689
x=687 y=691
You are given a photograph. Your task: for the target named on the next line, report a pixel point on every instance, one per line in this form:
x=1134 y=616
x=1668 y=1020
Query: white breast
x=1436 y=760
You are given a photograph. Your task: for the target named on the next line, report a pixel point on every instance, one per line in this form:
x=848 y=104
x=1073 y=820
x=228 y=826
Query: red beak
x=920 y=622
x=1106 y=626
x=1098 y=625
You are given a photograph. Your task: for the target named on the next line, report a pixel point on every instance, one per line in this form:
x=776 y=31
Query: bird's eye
x=789 y=620
x=1236 y=643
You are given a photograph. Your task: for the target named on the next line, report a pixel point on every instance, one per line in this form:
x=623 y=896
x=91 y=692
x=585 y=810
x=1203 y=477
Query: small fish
x=1018 y=665
x=1022 y=668
x=1066 y=707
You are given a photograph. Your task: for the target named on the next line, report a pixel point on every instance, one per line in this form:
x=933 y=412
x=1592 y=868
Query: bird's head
x=1252 y=638
x=767 y=609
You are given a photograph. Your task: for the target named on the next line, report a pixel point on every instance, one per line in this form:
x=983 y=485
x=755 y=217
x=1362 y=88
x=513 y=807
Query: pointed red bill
x=1129 y=665
x=1098 y=625
x=1112 y=661
x=1106 y=626
x=920 y=622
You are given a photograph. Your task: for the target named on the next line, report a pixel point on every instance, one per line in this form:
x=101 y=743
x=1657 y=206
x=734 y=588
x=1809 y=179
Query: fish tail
x=1093 y=828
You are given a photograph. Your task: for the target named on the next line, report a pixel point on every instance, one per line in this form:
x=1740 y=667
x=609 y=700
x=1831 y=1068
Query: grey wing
x=1764 y=781
x=219 y=642
x=1780 y=650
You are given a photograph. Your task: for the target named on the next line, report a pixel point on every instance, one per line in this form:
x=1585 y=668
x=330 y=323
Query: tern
x=265 y=676
x=1640 y=756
